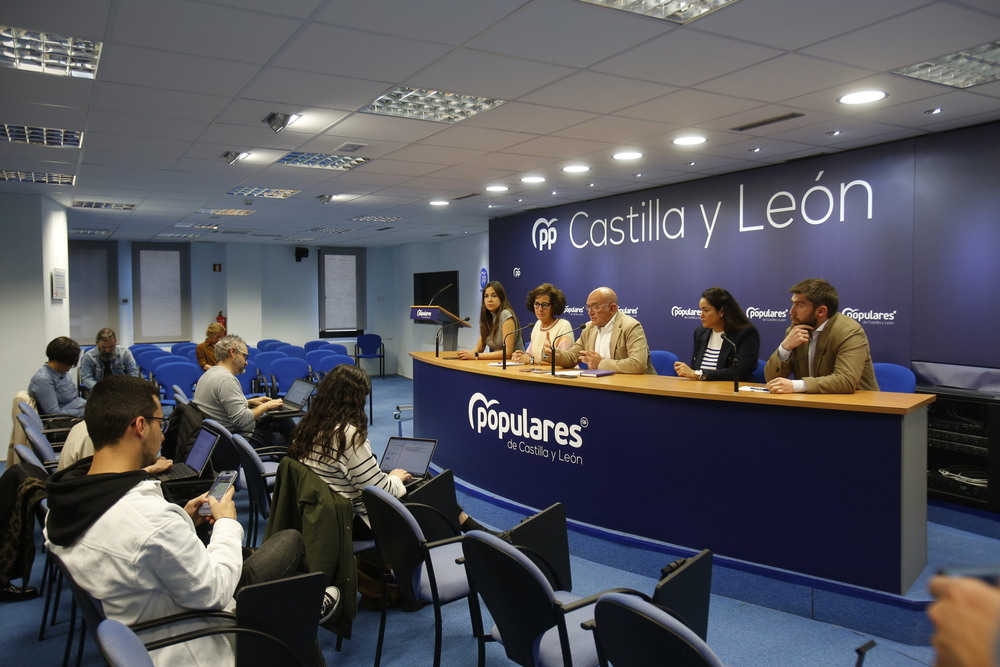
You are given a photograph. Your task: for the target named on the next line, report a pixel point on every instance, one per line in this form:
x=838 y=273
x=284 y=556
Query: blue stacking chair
x=893 y=377
x=287 y=370
x=369 y=346
x=181 y=373
x=291 y=350
x=264 y=359
x=663 y=362
x=314 y=345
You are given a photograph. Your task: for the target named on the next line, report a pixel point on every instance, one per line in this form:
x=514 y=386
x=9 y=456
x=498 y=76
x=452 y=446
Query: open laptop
x=197 y=458
x=410 y=454
x=295 y=400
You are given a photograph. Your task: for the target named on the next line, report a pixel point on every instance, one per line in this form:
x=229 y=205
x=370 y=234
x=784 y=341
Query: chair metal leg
x=69 y=635
x=49 y=579
x=381 y=625
x=437 y=634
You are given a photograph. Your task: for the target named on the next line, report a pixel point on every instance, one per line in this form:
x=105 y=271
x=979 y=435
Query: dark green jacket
x=304 y=502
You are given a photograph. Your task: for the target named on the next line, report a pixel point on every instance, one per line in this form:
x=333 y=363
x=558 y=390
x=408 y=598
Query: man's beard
x=106 y=356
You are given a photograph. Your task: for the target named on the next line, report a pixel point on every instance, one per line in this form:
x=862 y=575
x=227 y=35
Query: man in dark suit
x=612 y=341
x=827 y=352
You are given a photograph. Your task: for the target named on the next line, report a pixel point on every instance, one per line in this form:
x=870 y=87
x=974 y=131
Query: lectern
x=449 y=323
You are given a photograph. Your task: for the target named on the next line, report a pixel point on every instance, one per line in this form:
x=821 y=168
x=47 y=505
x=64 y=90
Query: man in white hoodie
x=140 y=555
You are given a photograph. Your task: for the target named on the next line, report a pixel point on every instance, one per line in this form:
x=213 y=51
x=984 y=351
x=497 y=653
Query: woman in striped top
x=332 y=440
x=721 y=318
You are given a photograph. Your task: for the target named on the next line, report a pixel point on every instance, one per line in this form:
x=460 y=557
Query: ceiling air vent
x=768 y=121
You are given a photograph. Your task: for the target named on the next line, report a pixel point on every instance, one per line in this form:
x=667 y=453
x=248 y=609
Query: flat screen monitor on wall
x=441 y=287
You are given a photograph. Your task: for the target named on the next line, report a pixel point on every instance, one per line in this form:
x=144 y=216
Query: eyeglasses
x=594 y=307
x=163 y=422
x=541 y=305
x=246 y=355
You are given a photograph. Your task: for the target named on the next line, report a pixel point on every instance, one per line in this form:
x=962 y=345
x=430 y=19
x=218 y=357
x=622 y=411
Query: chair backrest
x=284 y=608
x=182 y=373
x=292 y=350
x=90 y=608
x=369 y=343
x=37 y=440
x=330 y=361
x=181 y=349
x=631 y=632
x=179 y=395
x=313 y=356
x=686 y=590
x=398 y=537
x=31 y=413
x=893 y=377
x=663 y=362
x=288 y=370
x=120 y=646
x=266 y=344
x=314 y=345
x=515 y=591
x=253 y=472
x=265 y=358
x=338 y=348
x=224 y=456
x=192 y=355
x=27 y=455
x=758 y=373
x=247 y=378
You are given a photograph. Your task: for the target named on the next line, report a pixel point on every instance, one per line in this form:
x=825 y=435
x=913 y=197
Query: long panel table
x=832 y=486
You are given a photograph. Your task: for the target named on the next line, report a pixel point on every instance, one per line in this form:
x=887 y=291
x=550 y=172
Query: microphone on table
x=736 y=363
x=527 y=326
x=437 y=336
x=553 y=343
x=438 y=293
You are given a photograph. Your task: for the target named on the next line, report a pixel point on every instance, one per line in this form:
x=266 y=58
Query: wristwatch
x=700 y=374
x=477 y=355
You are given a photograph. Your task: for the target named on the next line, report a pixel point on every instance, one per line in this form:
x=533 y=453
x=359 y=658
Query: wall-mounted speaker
x=301 y=253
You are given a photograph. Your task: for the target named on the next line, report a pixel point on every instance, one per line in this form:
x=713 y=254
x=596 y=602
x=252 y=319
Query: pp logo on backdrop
x=543 y=234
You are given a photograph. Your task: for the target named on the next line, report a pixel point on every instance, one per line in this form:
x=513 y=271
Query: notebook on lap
x=196 y=459
x=410 y=454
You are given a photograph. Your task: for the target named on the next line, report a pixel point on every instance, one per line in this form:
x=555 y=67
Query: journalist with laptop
x=332 y=440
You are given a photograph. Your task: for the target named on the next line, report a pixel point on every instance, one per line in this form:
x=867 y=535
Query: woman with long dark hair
x=496 y=322
x=332 y=440
x=713 y=357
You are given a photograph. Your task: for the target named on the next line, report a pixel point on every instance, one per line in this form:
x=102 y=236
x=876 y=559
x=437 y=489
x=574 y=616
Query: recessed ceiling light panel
x=533 y=179
x=107 y=206
x=48 y=53
x=330 y=230
x=627 y=155
x=690 y=140
x=40 y=136
x=224 y=211
x=375 y=218
x=668 y=10
x=434 y=105
x=321 y=161
x=267 y=193
x=38 y=177
x=964 y=69
x=575 y=168
x=497 y=188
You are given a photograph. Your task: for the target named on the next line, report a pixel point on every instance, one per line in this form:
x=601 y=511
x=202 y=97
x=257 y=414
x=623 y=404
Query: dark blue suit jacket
x=747 y=342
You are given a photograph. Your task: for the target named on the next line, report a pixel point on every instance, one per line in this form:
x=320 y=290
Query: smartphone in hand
x=221 y=484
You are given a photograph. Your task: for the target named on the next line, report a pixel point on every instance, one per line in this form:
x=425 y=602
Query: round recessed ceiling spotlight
x=833 y=133
x=863 y=97
x=689 y=140
x=533 y=179
x=439 y=202
x=497 y=188
x=627 y=155
x=575 y=168
x=933 y=112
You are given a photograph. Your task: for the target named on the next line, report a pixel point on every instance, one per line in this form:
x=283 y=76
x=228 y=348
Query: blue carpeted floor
x=742 y=634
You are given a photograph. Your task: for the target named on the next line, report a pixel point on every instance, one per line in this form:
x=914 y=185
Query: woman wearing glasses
x=497 y=324
x=547 y=302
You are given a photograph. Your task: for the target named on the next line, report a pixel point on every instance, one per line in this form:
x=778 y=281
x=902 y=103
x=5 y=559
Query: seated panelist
x=713 y=357
x=547 y=302
x=496 y=322
x=612 y=341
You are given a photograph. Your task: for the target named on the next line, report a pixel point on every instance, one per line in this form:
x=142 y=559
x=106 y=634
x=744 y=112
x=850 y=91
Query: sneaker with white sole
x=331 y=598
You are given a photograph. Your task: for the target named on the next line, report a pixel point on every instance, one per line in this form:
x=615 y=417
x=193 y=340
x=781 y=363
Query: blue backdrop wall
x=908 y=232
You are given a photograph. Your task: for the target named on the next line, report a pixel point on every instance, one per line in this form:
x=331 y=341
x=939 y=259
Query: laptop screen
x=410 y=454
x=201 y=450
x=298 y=393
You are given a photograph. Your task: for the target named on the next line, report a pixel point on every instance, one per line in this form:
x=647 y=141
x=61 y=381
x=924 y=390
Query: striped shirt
x=351 y=473
x=710 y=360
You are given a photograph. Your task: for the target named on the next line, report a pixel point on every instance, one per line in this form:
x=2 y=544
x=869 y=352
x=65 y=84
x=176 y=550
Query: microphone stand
x=736 y=363
x=437 y=336
x=574 y=329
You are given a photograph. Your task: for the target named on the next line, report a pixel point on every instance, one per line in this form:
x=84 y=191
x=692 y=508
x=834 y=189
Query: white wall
x=32 y=243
